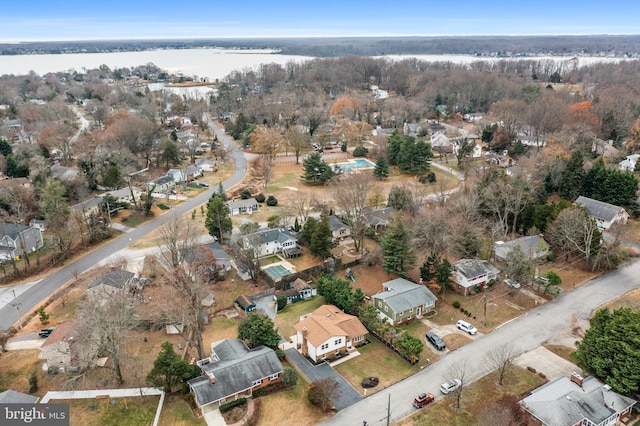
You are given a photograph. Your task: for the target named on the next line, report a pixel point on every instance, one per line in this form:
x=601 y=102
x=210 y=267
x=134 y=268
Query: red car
x=423 y=399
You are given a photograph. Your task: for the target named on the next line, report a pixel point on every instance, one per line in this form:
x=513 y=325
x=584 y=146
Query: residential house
x=499 y=160
x=41 y=224
x=328 y=332
x=209 y=261
x=233 y=371
x=248 y=206
x=299 y=290
x=534 y=247
x=412 y=129
x=380 y=218
x=117 y=281
x=339 y=230
x=433 y=128
x=271 y=241
x=605 y=214
x=206 y=164
x=124 y=194
x=380 y=131
x=441 y=143
x=186 y=174
x=571 y=401
x=87 y=208
x=63 y=173
x=472 y=117
x=402 y=300
x=629 y=163
x=61 y=350
x=12 y=397
x=246 y=304
x=604 y=149
x=162 y=184
x=16 y=239
x=469 y=273
x=223 y=260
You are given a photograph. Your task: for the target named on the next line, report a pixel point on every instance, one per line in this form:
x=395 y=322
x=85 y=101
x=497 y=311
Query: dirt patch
x=455 y=340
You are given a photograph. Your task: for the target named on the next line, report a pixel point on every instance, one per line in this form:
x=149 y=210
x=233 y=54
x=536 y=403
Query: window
x=379 y=304
x=256 y=382
x=358 y=338
x=324 y=346
x=411 y=310
x=273 y=376
x=386 y=309
x=337 y=342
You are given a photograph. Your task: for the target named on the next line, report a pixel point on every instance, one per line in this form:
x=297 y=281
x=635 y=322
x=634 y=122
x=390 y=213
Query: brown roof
x=299 y=284
x=62 y=332
x=328 y=321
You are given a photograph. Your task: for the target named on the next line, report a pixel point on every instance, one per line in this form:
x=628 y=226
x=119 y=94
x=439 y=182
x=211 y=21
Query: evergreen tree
x=218 y=222
x=397 y=254
x=307 y=230
x=381 y=170
x=258 y=330
x=321 y=238
x=170 y=154
x=221 y=192
x=169 y=369
x=443 y=274
x=429 y=267
x=316 y=171
x=572 y=177
x=394 y=145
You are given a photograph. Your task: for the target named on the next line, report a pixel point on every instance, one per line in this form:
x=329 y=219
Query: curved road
x=31 y=295
x=525 y=334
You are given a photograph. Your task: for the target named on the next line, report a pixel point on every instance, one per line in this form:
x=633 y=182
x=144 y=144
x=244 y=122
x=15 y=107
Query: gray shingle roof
x=279 y=234
x=598 y=209
x=13 y=397
x=222 y=258
x=471 y=268
x=12 y=230
x=532 y=246
x=402 y=295
x=563 y=402
x=335 y=223
x=249 y=202
x=234 y=367
x=118 y=279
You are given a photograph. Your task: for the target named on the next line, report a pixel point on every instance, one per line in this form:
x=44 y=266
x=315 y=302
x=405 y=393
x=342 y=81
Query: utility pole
x=389 y=411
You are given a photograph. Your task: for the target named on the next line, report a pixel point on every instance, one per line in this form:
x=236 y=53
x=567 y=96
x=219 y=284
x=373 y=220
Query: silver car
x=450 y=386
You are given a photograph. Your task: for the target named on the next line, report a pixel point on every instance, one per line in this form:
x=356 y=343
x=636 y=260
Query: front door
x=418 y=311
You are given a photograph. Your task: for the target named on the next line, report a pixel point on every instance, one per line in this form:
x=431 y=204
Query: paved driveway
x=348 y=395
x=268 y=305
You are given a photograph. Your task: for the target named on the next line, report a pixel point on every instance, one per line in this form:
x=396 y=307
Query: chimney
x=212 y=378
x=305 y=350
x=576 y=378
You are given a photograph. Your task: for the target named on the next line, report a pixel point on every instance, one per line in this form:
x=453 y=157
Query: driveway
x=25 y=341
x=546 y=362
x=267 y=305
x=348 y=395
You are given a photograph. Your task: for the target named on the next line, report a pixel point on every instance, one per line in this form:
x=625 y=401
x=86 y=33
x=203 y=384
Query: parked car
x=465 y=326
x=45 y=332
x=203 y=184
x=436 y=341
x=510 y=283
x=542 y=280
x=450 y=386
x=423 y=399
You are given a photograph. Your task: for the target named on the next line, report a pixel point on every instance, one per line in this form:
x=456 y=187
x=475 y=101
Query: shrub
x=228 y=406
x=33 y=383
x=461 y=309
x=272 y=201
x=289 y=377
x=260 y=198
x=281 y=301
x=162 y=206
x=343 y=147
x=551 y=256
x=245 y=194
x=360 y=151
x=428 y=178
x=456 y=304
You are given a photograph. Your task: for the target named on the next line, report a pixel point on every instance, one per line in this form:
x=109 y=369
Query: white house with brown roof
x=328 y=332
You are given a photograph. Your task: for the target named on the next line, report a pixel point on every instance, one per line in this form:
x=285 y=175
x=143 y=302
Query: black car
x=436 y=341
x=45 y=332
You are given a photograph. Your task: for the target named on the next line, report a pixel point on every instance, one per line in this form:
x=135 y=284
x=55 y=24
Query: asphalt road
x=28 y=297
x=525 y=334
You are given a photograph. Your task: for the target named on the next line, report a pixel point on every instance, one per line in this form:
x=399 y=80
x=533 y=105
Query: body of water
x=210 y=63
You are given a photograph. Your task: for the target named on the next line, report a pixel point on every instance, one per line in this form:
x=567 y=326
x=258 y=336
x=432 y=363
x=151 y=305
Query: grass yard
x=16 y=367
x=125 y=411
x=629 y=300
x=290 y=407
x=563 y=352
x=476 y=398
x=289 y=316
x=220 y=328
x=176 y=412
x=372 y=356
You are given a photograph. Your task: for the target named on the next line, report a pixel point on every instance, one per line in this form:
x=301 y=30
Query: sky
x=53 y=20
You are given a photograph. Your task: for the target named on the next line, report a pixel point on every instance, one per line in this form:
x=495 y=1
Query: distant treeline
x=507 y=46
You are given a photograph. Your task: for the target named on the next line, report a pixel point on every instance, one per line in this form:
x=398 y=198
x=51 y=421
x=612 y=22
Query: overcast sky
x=117 y=19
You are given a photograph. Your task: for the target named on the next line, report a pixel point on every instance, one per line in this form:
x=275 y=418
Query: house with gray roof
x=469 y=273
x=569 y=401
x=629 y=163
x=116 y=281
x=339 y=229
x=247 y=206
x=12 y=397
x=16 y=239
x=270 y=241
x=402 y=301
x=534 y=247
x=162 y=184
x=206 y=164
x=605 y=214
x=233 y=371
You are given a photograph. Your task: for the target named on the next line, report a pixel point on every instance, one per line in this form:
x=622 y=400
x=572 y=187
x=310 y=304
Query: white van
x=465 y=326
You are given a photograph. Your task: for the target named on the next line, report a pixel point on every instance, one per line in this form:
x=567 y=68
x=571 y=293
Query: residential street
x=28 y=297
x=525 y=333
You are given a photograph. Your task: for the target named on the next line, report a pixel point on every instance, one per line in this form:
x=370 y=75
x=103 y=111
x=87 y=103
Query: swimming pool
x=359 y=163
x=277 y=271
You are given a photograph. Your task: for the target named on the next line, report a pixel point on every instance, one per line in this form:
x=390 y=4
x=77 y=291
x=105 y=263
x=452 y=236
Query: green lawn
x=176 y=412
x=290 y=316
x=287 y=179
x=372 y=356
x=476 y=398
x=125 y=411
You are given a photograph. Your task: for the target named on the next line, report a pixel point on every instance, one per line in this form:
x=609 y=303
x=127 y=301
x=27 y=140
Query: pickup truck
x=45 y=332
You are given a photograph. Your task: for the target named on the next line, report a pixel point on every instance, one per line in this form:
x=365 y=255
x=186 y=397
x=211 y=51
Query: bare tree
x=574 y=232
x=299 y=140
x=459 y=370
x=431 y=231
x=351 y=195
x=262 y=169
x=104 y=326
x=301 y=205
x=178 y=239
x=499 y=359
